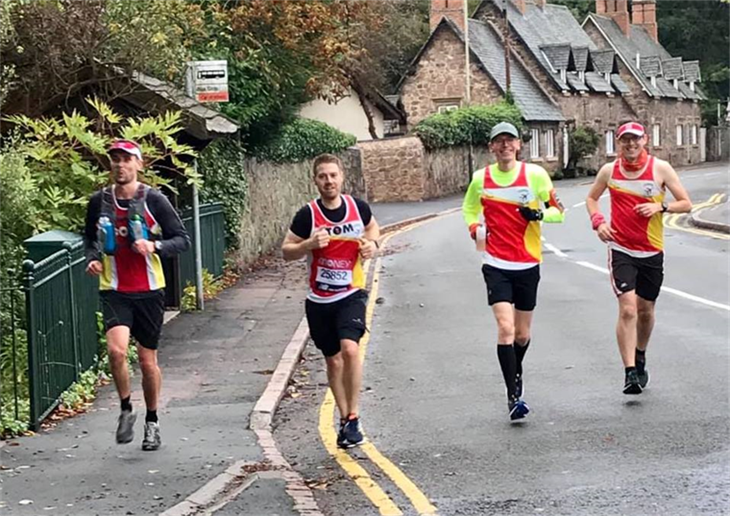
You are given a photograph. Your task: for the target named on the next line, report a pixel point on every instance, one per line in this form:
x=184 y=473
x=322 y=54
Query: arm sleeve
x=175 y=238
x=93 y=212
x=365 y=211
x=471 y=207
x=301 y=226
x=553 y=212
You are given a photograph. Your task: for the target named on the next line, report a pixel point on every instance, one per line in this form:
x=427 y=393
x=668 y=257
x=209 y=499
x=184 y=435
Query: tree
x=582 y=142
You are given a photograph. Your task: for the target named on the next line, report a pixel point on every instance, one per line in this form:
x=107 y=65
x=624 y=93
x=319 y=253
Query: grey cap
x=503 y=128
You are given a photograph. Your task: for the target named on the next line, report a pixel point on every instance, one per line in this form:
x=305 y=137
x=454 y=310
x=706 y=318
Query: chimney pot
x=451 y=9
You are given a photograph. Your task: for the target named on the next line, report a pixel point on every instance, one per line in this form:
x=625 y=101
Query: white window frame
x=656 y=135
x=550 y=143
x=447 y=107
x=694 y=134
x=582 y=76
x=564 y=75
x=692 y=85
x=680 y=135
x=534 y=143
x=653 y=80
x=610 y=143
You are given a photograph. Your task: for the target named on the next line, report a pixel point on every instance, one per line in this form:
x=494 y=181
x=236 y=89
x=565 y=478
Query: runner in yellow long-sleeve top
x=513 y=197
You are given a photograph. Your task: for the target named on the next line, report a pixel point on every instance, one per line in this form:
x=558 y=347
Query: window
x=680 y=140
x=535 y=143
x=391 y=126
x=694 y=135
x=656 y=135
x=447 y=107
x=653 y=81
x=610 y=149
x=550 y=143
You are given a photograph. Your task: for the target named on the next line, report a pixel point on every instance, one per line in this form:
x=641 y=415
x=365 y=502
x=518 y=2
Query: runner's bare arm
x=598 y=221
x=295 y=247
x=369 y=243
x=682 y=202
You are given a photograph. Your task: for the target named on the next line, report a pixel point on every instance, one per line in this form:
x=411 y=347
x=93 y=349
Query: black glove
x=530 y=215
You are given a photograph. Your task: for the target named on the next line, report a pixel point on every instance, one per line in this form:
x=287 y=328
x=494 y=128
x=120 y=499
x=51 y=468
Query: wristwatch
x=665 y=207
x=158 y=245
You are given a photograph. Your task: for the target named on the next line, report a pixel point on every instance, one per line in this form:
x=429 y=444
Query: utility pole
x=508 y=78
x=466 y=51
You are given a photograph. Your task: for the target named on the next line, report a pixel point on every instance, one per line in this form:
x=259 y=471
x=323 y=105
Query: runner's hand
x=319 y=240
x=94 y=268
x=605 y=233
x=143 y=247
x=367 y=248
x=648 y=209
x=529 y=214
x=473 y=230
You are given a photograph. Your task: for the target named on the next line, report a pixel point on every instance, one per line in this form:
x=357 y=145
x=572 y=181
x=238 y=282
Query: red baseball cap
x=631 y=128
x=128 y=146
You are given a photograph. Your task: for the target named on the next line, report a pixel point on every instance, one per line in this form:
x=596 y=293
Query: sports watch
x=158 y=245
x=665 y=207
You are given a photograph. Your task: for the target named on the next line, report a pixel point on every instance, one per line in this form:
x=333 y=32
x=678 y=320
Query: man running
x=336 y=232
x=635 y=236
x=138 y=226
x=513 y=197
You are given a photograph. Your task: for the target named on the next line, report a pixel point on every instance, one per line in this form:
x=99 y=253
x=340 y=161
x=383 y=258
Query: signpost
x=205 y=81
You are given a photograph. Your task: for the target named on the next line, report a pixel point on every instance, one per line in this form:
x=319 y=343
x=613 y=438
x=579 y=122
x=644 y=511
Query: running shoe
x=632 y=385
x=152 y=439
x=353 y=433
x=125 y=426
x=341 y=439
x=518 y=409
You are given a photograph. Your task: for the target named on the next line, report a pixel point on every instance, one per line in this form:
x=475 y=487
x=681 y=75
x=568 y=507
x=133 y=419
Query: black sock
x=629 y=369
x=520 y=350
x=508 y=363
x=127 y=404
x=151 y=416
x=640 y=359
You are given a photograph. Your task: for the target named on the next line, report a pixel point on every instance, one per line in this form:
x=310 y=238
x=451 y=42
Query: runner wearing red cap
x=130 y=227
x=637 y=183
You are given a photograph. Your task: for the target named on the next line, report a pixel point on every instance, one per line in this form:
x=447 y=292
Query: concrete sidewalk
x=216 y=365
x=714 y=218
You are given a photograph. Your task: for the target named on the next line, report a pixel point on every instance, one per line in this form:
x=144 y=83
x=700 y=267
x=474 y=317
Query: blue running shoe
x=352 y=433
x=518 y=409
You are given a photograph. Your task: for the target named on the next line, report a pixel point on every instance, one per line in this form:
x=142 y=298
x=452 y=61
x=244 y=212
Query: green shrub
x=582 y=142
x=304 y=139
x=466 y=125
x=224 y=180
x=211 y=288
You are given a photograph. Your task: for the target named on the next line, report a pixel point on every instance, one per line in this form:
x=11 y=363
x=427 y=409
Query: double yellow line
x=672 y=220
x=359 y=475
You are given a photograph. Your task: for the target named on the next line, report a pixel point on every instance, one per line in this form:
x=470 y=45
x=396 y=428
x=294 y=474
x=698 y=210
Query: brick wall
x=275 y=193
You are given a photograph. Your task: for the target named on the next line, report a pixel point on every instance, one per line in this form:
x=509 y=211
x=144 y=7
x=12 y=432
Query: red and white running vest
x=126 y=270
x=335 y=272
x=636 y=235
x=513 y=243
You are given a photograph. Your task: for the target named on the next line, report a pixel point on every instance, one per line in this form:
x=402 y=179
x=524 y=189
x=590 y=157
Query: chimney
x=451 y=9
x=618 y=10
x=643 y=14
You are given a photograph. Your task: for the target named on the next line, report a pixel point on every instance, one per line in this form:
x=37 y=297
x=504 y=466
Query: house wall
x=666 y=112
x=440 y=76
x=347 y=115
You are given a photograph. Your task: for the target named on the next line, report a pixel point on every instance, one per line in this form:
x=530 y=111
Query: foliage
x=211 y=288
x=224 y=180
x=63 y=159
x=582 y=142
x=303 y=139
x=466 y=125
x=59 y=46
x=580 y=8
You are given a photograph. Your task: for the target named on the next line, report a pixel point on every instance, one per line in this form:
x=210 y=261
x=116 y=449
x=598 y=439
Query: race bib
x=333 y=280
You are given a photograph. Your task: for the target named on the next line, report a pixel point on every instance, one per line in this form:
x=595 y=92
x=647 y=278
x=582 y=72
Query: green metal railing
x=61 y=306
x=213 y=245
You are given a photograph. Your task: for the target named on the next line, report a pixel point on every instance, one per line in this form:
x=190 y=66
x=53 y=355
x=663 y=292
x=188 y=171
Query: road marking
x=672 y=220
x=360 y=476
x=583 y=203
x=670 y=290
x=555 y=250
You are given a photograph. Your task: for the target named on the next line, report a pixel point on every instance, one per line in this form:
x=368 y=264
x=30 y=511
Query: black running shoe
x=125 y=427
x=518 y=409
x=341 y=439
x=353 y=433
x=632 y=384
x=643 y=375
x=519 y=388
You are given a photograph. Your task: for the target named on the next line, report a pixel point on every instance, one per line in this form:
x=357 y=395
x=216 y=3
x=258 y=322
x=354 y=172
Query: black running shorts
x=142 y=313
x=516 y=287
x=329 y=323
x=644 y=275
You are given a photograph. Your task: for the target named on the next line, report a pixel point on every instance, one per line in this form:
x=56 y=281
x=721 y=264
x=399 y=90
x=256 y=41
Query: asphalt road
x=434 y=401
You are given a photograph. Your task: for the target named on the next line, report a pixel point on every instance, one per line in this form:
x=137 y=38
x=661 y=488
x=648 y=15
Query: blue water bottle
x=137 y=228
x=106 y=235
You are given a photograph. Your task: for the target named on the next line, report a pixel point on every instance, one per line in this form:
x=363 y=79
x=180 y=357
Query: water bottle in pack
x=106 y=236
x=137 y=228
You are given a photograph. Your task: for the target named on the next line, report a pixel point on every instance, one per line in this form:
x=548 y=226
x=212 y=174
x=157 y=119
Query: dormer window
x=676 y=84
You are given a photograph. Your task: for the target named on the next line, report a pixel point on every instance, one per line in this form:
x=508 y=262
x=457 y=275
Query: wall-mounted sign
x=208 y=81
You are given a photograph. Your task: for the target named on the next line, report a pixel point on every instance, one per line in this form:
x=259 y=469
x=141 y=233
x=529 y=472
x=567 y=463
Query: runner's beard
x=636 y=165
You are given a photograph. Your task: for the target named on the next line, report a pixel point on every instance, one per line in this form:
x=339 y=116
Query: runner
x=336 y=232
x=138 y=226
x=635 y=236
x=511 y=196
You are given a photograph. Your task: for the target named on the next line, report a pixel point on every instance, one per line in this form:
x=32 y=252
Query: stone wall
x=275 y=193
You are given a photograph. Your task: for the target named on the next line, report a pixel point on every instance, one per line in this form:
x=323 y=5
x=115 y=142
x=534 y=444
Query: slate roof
x=558 y=55
x=673 y=68
x=597 y=82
